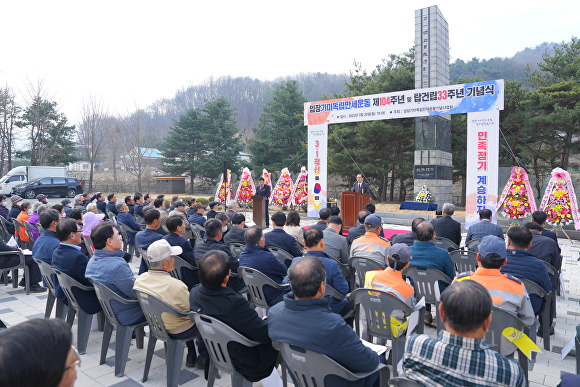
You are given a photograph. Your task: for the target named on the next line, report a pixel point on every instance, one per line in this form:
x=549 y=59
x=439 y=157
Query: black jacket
x=190 y=278
x=233 y=309
x=211 y=244
x=449 y=228
x=281 y=239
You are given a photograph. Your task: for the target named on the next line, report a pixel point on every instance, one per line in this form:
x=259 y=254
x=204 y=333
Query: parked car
x=50 y=186
x=23 y=174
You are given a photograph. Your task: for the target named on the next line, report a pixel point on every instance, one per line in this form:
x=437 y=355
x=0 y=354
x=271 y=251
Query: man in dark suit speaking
x=361 y=185
x=264 y=191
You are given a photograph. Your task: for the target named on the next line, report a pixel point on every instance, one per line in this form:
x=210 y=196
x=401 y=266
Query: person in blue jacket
x=256 y=256
x=109 y=267
x=280 y=238
x=69 y=259
x=304 y=319
x=128 y=220
x=314 y=242
x=523 y=264
x=176 y=227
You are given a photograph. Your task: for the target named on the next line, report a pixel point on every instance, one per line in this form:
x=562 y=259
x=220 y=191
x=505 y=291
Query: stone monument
x=433 y=163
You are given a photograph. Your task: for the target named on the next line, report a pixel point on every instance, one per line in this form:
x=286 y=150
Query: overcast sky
x=131 y=53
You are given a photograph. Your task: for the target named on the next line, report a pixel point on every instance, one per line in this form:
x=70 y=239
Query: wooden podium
x=350 y=204
x=259 y=210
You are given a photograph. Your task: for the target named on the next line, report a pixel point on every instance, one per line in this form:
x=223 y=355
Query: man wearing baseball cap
x=172 y=291
x=371 y=245
x=42 y=198
x=391 y=279
x=507 y=292
x=213 y=206
x=66 y=206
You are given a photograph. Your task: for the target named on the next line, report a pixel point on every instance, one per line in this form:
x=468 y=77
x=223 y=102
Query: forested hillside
x=248 y=96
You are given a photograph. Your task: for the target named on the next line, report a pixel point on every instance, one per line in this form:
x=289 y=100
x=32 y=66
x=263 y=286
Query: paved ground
x=16 y=306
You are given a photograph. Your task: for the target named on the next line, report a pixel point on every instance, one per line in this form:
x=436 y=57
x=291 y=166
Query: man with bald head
x=304 y=319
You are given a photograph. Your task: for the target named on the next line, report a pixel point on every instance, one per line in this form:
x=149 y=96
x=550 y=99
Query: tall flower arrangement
x=424 y=195
x=559 y=201
x=224 y=189
x=300 y=191
x=267 y=178
x=517 y=199
x=282 y=191
x=246 y=188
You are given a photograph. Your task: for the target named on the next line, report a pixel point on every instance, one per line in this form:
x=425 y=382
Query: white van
x=21 y=175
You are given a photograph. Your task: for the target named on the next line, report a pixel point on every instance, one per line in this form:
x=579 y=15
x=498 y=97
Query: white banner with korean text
x=317 y=157
x=434 y=101
x=482 y=164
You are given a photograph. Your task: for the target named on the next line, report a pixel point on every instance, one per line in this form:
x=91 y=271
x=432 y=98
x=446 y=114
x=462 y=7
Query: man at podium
x=361 y=186
x=264 y=191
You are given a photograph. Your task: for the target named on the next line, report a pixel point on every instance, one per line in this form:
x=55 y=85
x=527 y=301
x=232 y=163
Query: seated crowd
x=302 y=313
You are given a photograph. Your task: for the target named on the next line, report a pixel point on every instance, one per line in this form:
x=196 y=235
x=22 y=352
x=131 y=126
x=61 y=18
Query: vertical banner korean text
x=482 y=164
x=317 y=152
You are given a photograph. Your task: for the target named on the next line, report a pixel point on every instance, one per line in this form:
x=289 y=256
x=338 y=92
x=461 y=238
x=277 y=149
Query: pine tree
x=280 y=136
x=184 y=146
x=201 y=140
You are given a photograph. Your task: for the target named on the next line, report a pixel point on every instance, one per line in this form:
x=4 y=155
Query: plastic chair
x=178 y=264
x=47 y=272
x=464 y=260
x=124 y=332
x=153 y=307
x=556 y=273
x=143 y=253
x=112 y=217
x=403 y=382
x=309 y=368
x=130 y=247
x=361 y=265
x=216 y=335
x=89 y=245
x=236 y=248
x=502 y=319
x=534 y=288
x=425 y=279
x=255 y=280
x=196 y=231
x=379 y=306
x=84 y=319
x=281 y=254
x=27 y=228
x=4 y=229
x=577 y=345
x=20 y=265
x=446 y=244
x=345 y=269
x=473 y=245
x=21 y=243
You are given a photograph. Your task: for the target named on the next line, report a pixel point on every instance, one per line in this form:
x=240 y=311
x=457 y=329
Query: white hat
x=161 y=250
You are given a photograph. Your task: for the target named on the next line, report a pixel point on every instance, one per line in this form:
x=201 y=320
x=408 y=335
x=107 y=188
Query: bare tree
x=8 y=114
x=93 y=132
x=133 y=133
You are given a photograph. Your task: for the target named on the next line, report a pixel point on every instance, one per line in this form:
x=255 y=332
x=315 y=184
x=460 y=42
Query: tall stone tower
x=433 y=163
